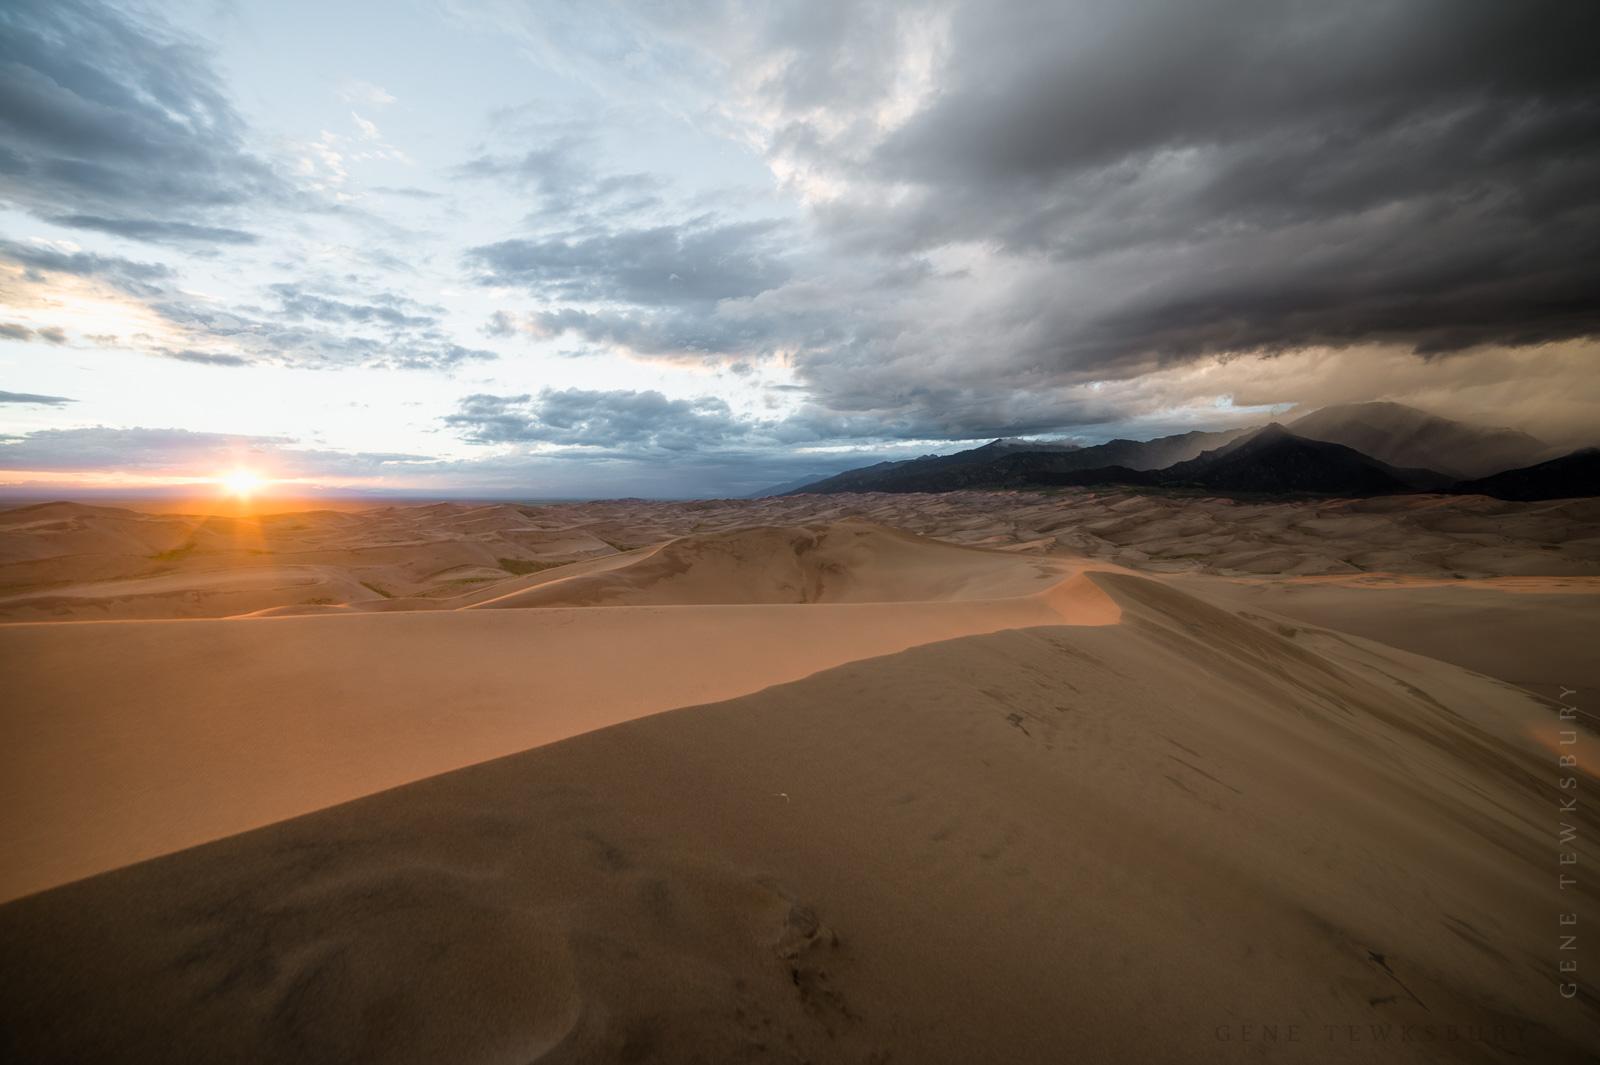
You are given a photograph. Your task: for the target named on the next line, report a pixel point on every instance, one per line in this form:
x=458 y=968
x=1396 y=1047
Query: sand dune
x=125 y=740
x=846 y=562
x=1121 y=842
x=1096 y=776
x=1534 y=632
x=64 y=561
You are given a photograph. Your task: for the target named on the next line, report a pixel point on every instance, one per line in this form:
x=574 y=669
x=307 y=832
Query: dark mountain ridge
x=1571 y=476
x=1269 y=460
x=1015 y=464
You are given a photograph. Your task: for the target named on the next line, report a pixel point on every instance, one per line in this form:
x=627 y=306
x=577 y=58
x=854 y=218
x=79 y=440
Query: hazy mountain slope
x=1269 y=460
x=1018 y=463
x=792 y=485
x=1406 y=437
x=1568 y=477
x=931 y=473
x=1274 y=459
x=1163 y=451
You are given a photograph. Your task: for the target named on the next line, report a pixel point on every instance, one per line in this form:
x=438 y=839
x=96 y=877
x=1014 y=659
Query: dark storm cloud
x=618 y=420
x=698 y=261
x=1274 y=175
x=694 y=330
x=1042 y=89
x=648 y=426
x=1129 y=187
x=115 y=121
x=31 y=397
x=1014 y=202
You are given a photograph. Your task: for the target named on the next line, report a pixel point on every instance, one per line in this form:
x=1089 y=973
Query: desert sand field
x=1014 y=777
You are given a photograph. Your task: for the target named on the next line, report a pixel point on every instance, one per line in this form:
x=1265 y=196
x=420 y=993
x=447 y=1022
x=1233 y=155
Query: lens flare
x=241 y=483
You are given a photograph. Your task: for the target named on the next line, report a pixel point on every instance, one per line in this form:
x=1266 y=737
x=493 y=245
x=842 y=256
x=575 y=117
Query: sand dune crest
x=1092 y=842
x=132 y=739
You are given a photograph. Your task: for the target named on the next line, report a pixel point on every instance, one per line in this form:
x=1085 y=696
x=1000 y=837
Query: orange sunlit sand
x=982 y=700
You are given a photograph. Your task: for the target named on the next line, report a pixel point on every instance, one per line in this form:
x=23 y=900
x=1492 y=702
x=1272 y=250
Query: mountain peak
x=1407 y=437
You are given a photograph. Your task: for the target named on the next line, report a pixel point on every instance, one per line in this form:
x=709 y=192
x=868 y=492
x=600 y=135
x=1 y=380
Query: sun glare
x=240 y=483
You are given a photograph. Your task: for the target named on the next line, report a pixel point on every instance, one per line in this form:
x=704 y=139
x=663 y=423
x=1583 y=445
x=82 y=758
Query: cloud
x=501 y=324
x=1223 y=176
x=693 y=331
x=561 y=171
x=624 y=421
x=310 y=328
x=127 y=275
x=1075 y=192
x=31 y=397
x=405 y=342
x=984 y=219
x=201 y=358
x=49 y=334
x=354 y=91
x=699 y=261
x=120 y=122
x=385 y=309
x=157 y=232
x=180 y=452
x=407 y=191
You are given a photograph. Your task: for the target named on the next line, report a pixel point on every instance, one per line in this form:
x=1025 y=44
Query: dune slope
x=1093 y=843
x=124 y=740
x=68 y=562
x=1534 y=632
x=841 y=562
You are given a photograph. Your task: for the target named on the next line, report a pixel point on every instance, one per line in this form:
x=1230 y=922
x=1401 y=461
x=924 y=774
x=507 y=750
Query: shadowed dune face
x=1106 y=842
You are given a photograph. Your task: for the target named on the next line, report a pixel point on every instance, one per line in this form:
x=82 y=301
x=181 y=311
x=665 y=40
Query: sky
x=487 y=248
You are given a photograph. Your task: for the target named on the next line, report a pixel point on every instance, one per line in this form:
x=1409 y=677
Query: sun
x=240 y=483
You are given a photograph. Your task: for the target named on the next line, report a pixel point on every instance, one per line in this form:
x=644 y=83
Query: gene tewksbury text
x=1567 y=849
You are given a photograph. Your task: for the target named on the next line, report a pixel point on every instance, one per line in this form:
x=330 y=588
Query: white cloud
x=353 y=91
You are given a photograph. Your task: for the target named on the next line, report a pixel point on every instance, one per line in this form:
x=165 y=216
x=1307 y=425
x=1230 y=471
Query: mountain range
x=1359 y=449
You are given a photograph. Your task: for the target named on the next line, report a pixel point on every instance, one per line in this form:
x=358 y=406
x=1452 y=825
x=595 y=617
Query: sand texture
x=65 y=561
x=829 y=780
